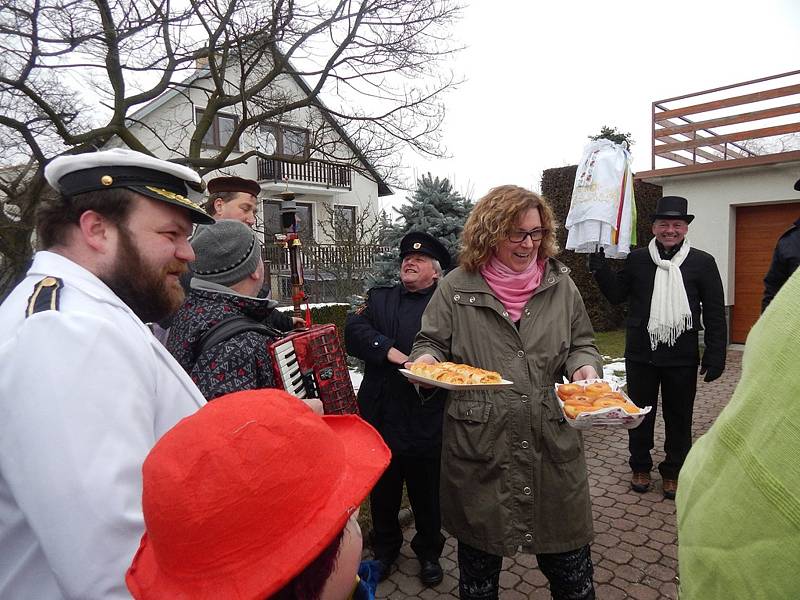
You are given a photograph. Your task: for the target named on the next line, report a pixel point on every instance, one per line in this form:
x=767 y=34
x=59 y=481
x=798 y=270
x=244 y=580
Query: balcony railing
x=751 y=123
x=321 y=172
x=333 y=273
x=326 y=258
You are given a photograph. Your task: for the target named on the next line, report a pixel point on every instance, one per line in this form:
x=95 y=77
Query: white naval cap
x=123 y=168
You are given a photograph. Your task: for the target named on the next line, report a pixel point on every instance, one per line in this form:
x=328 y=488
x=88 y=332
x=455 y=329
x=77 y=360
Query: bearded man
x=85 y=388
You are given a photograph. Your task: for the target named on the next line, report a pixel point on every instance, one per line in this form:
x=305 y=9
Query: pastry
x=568 y=389
x=580 y=400
x=455 y=373
x=597 y=389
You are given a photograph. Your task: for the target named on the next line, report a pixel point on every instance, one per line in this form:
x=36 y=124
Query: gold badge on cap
x=173 y=196
x=106 y=180
x=417 y=245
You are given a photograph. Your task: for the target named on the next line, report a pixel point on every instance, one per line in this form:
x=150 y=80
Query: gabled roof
x=383 y=187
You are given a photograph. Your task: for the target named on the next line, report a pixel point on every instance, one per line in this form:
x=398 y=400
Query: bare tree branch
x=82 y=74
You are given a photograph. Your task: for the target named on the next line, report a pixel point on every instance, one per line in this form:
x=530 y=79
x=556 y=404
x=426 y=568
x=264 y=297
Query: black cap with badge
x=417 y=241
x=122 y=168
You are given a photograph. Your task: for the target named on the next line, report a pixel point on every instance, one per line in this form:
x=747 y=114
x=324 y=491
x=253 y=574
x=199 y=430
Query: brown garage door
x=757 y=230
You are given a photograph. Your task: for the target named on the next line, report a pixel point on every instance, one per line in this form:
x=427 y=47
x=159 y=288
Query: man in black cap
x=233 y=198
x=381 y=334
x=785 y=260
x=673 y=291
x=85 y=389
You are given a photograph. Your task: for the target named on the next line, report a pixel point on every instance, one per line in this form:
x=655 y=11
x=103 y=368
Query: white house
x=307 y=153
x=734 y=153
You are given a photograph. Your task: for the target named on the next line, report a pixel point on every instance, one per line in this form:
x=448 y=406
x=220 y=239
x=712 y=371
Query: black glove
x=712 y=373
x=597 y=261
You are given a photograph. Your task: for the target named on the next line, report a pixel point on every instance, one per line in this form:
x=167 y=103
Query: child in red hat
x=253 y=497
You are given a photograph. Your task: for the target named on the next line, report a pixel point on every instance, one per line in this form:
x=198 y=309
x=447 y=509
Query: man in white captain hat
x=85 y=389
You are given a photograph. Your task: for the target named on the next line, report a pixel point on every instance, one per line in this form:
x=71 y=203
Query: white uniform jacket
x=85 y=392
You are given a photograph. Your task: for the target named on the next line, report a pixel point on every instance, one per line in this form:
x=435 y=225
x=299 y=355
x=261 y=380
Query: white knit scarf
x=670 y=314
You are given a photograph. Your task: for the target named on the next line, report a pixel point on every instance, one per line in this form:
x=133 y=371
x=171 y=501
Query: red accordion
x=312 y=364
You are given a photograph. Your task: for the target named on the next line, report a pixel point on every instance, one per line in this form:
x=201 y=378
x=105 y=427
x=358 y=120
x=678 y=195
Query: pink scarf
x=511 y=288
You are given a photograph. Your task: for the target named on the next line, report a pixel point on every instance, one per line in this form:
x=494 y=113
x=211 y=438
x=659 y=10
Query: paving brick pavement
x=635 y=550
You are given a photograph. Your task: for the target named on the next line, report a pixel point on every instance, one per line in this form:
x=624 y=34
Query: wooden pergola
x=687 y=130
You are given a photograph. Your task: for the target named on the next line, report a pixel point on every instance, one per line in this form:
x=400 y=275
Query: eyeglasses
x=517 y=237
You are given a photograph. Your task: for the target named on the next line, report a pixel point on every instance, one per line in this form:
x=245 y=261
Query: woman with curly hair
x=513 y=471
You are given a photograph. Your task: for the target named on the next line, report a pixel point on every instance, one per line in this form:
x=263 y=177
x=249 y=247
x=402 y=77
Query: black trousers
x=421 y=476
x=570 y=574
x=678 y=388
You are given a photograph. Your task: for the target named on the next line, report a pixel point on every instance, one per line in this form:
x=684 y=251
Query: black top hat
x=417 y=241
x=672 y=207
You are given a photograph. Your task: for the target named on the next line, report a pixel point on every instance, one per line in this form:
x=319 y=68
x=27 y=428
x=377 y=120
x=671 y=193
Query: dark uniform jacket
x=634 y=283
x=785 y=260
x=239 y=363
x=390 y=317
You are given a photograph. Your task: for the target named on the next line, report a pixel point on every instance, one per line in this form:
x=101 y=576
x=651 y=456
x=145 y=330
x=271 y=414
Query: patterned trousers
x=569 y=573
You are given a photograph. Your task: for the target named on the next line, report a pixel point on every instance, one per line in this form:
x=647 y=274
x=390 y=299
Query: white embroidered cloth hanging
x=602 y=212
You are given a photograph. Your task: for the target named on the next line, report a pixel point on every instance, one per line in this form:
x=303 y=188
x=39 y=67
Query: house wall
x=713 y=198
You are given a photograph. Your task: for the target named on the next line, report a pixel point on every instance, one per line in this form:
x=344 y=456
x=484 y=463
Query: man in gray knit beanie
x=228 y=275
x=227 y=253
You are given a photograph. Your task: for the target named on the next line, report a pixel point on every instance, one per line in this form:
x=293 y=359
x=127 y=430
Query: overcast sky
x=541 y=76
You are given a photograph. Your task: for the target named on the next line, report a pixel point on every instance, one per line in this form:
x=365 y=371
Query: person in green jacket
x=513 y=472
x=738 y=501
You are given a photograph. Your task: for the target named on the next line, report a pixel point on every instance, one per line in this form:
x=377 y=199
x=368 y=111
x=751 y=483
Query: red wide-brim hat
x=241 y=496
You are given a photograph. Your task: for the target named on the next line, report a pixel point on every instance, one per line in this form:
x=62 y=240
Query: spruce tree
x=434 y=208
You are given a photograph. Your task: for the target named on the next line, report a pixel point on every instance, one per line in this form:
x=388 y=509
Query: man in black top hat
x=381 y=333
x=785 y=260
x=673 y=291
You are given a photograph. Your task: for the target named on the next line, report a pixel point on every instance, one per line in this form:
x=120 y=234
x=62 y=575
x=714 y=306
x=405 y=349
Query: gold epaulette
x=45 y=296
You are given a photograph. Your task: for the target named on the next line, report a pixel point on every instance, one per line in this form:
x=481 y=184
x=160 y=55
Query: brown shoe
x=670 y=487
x=640 y=482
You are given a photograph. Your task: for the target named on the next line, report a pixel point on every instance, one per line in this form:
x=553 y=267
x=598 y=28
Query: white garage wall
x=713 y=197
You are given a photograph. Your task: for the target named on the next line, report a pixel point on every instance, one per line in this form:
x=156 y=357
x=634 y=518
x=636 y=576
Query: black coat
x=785 y=260
x=634 y=283
x=391 y=317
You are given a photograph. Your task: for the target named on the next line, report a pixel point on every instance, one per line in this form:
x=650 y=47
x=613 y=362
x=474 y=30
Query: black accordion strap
x=231 y=327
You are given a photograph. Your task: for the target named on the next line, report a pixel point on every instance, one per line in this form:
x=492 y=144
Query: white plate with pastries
x=455 y=376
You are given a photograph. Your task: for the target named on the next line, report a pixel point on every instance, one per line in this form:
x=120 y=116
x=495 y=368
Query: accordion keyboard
x=289 y=369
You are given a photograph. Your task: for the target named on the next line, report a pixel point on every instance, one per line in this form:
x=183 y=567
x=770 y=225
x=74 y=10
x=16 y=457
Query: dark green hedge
x=557 y=188
x=334 y=313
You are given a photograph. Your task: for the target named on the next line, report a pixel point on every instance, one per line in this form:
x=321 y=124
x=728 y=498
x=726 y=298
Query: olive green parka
x=513 y=471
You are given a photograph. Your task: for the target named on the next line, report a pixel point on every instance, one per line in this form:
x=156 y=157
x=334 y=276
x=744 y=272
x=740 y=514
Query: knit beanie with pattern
x=225 y=252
